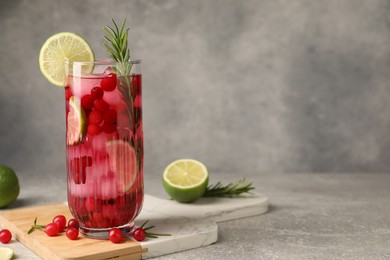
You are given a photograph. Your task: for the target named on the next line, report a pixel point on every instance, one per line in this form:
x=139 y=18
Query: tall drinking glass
x=104 y=145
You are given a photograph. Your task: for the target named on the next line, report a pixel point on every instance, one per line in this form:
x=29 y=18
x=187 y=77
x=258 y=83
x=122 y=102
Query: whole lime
x=9 y=186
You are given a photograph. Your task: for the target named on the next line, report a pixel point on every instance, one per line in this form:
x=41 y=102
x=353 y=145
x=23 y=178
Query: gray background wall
x=244 y=86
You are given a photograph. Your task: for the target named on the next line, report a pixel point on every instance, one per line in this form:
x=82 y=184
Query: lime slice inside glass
x=76 y=122
x=122 y=161
x=59 y=48
x=6 y=253
x=185 y=180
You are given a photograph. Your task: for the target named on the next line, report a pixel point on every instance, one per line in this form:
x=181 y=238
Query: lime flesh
x=76 y=122
x=185 y=180
x=57 y=49
x=6 y=253
x=123 y=161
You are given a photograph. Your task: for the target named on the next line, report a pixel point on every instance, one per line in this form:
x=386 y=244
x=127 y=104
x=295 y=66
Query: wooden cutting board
x=19 y=221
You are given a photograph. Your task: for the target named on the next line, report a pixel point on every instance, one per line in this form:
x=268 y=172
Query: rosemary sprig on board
x=231 y=190
x=150 y=234
x=35 y=226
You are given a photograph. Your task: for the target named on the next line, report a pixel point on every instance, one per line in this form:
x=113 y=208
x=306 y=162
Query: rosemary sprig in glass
x=116 y=44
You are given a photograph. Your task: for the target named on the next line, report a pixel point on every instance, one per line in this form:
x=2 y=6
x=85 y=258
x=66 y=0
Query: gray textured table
x=312 y=216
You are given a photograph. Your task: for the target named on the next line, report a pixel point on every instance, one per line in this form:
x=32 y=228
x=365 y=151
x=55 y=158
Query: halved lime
x=59 y=48
x=185 y=180
x=123 y=162
x=6 y=253
x=76 y=122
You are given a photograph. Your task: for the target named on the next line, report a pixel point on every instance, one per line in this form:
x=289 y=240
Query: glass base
x=102 y=233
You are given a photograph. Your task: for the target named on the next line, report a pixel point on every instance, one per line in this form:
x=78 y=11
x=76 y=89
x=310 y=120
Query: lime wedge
x=122 y=161
x=59 y=48
x=6 y=253
x=185 y=180
x=76 y=122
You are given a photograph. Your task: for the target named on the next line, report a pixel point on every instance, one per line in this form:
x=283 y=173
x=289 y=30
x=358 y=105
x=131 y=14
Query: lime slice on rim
x=76 y=122
x=185 y=180
x=122 y=161
x=6 y=253
x=59 y=48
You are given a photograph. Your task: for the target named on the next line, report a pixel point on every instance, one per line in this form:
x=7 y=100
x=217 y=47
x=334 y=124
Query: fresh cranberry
x=109 y=211
x=100 y=220
x=94 y=205
x=5 y=236
x=139 y=132
x=115 y=235
x=77 y=167
x=87 y=101
x=51 y=229
x=122 y=107
x=77 y=204
x=138 y=101
x=79 y=176
x=109 y=128
x=60 y=220
x=60 y=227
x=139 y=234
x=109 y=116
x=121 y=203
x=68 y=93
x=74 y=164
x=124 y=133
x=109 y=83
x=72 y=233
x=86 y=161
x=123 y=120
x=94 y=129
x=101 y=105
x=97 y=93
x=73 y=223
x=95 y=117
x=90 y=204
x=78 y=170
x=137 y=83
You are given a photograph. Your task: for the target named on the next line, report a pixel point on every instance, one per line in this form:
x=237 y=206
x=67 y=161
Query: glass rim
x=101 y=62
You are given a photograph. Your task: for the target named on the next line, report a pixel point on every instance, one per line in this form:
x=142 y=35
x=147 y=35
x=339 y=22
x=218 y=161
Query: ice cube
x=138 y=101
x=82 y=86
x=97 y=142
x=97 y=170
x=82 y=190
x=113 y=98
x=108 y=70
x=108 y=187
x=103 y=67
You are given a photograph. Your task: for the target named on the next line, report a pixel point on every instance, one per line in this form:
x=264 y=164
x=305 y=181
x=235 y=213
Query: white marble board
x=193 y=225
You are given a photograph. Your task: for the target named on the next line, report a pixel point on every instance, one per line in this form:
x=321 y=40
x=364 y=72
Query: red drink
x=104 y=148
